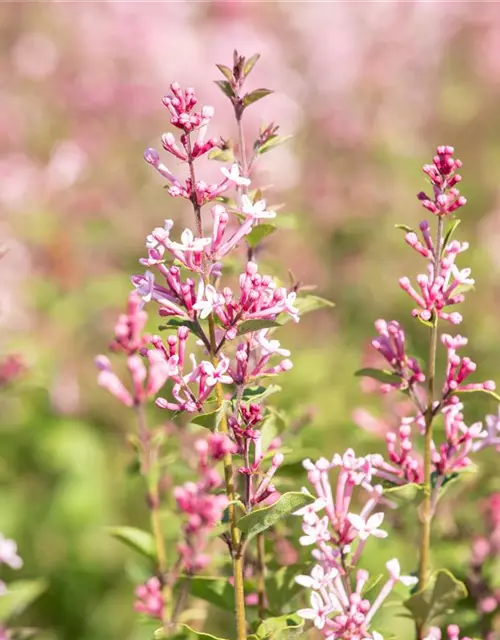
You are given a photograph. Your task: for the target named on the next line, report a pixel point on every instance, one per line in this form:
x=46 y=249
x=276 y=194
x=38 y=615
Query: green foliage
x=141 y=541
x=281 y=587
x=20 y=594
x=256 y=325
x=261 y=519
x=255 y=95
x=186 y=633
x=271 y=143
x=439 y=597
x=449 y=233
x=280 y=628
x=256 y=394
x=210 y=420
x=259 y=232
x=307 y=303
x=215 y=590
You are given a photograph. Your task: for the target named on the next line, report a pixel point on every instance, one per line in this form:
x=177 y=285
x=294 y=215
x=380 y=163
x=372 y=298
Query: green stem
x=148 y=463
x=425 y=536
x=236 y=541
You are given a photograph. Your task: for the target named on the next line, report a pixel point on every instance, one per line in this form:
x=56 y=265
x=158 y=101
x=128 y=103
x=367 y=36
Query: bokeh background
x=368 y=90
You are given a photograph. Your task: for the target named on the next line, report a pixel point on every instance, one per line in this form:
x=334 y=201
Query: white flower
x=234 y=175
x=462 y=276
x=159 y=235
x=309 y=511
x=189 y=242
x=368 y=527
x=256 y=210
x=318 y=612
x=207 y=300
x=318 y=578
x=395 y=573
x=217 y=374
x=8 y=553
x=289 y=305
x=315 y=532
x=270 y=347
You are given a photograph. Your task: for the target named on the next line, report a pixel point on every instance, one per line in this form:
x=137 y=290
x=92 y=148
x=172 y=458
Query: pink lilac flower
x=444 y=178
x=149 y=598
x=452 y=633
x=338 y=538
x=391 y=345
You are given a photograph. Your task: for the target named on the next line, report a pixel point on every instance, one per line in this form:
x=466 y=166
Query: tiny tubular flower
x=256 y=210
x=233 y=175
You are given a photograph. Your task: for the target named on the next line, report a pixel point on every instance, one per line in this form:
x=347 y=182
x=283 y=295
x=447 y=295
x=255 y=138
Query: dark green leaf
x=489 y=393
x=250 y=64
x=256 y=325
x=382 y=375
x=438 y=598
x=255 y=95
x=226 y=71
x=252 y=394
x=175 y=323
x=281 y=587
x=271 y=143
x=259 y=232
x=20 y=594
x=216 y=591
x=209 y=420
x=449 y=233
x=261 y=519
x=280 y=627
x=225 y=87
x=141 y=541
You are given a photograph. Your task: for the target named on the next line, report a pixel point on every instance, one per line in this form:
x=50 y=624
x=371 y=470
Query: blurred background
x=368 y=90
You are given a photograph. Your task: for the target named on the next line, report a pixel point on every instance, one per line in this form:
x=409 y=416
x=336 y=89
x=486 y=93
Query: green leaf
x=382 y=375
x=191 y=633
x=222 y=155
x=279 y=627
x=141 y=541
x=252 y=394
x=175 y=323
x=281 y=587
x=255 y=95
x=20 y=594
x=489 y=393
x=271 y=143
x=216 y=591
x=250 y=64
x=259 y=232
x=211 y=420
x=371 y=583
x=261 y=519
x=405 y=493
x=225 y=87
x=308 y=303
x=438 y=598
x=404 y=228
x=256 y=325
x=451 y=230
x=226 y=71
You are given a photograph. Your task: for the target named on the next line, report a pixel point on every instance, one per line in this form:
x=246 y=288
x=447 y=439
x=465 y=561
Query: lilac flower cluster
x=339 y=607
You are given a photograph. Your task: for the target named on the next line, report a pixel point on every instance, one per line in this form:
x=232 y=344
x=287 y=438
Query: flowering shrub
x=211 y=371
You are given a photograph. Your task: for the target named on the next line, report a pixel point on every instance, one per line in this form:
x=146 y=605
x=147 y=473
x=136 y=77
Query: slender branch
x=231 y=496
x=423 y=572
x=241 y=629
x=148 y=462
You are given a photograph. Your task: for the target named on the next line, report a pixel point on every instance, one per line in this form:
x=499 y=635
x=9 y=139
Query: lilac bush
x=211 y=371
